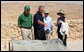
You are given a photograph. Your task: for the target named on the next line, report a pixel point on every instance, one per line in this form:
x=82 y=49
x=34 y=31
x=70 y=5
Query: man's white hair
x=40 y=7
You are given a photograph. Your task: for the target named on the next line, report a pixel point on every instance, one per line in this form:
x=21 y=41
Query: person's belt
x=26 y=27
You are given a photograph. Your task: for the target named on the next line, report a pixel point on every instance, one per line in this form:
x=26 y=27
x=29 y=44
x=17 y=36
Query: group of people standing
x=42 y=23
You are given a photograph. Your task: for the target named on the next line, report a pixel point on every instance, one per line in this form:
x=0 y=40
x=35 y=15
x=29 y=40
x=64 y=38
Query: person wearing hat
x=62 y=18
x=25 y=23
x=48 y=21
x=61 y=26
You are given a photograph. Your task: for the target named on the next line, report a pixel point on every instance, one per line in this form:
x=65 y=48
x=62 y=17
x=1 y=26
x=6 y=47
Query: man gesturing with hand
x=39 y=24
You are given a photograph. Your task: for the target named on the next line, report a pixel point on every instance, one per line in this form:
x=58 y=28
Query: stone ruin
x=37 y=45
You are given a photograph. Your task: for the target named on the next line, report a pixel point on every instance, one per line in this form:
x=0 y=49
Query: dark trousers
x=40 y=34
x=59 y=35
x=35 y=34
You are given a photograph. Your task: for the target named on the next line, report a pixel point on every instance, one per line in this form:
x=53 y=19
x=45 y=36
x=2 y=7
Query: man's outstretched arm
x=40 y=22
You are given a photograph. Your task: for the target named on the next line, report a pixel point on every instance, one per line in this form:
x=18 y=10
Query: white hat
x=61 y=11
x=46 y=11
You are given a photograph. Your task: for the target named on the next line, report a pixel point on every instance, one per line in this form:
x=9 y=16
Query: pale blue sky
x=75 y=2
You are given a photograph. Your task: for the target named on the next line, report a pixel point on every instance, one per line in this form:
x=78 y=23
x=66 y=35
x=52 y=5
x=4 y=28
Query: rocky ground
x=11 y=11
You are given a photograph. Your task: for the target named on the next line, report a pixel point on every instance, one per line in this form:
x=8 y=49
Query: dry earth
x=11 y=11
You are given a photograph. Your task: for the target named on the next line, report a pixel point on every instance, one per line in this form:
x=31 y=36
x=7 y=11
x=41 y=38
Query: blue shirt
x=37 y=17
x=48 y=21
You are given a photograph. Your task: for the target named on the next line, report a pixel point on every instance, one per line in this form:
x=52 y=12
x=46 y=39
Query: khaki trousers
x=48 y=36
x=26 y=34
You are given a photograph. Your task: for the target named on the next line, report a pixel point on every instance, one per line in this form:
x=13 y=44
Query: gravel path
x=76 y=45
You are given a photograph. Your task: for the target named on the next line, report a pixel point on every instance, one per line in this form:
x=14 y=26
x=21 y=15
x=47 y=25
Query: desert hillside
x=11 y=11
